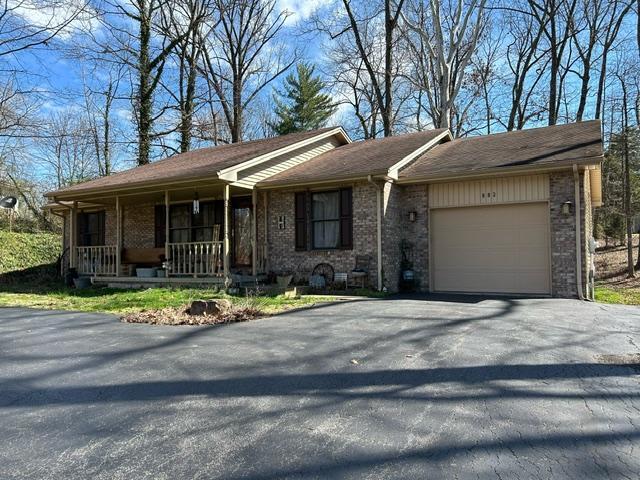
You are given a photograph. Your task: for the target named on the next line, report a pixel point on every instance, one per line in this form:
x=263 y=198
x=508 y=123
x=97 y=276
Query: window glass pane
x=180 y=216
x=325 y=234
x=203 y=234
x=205 y=217
x=91 y=228
x=180 y=235
x=326 y=206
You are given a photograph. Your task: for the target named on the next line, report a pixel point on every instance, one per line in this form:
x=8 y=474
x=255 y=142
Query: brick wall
x=392 y=234
x=563 y=228
x=110 y=219
x=281 y=242
x=138 y=226
x=415 y=198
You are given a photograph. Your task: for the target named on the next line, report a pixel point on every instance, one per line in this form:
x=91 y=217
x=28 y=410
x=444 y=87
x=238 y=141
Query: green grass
x=126 y=301
x=624 y=296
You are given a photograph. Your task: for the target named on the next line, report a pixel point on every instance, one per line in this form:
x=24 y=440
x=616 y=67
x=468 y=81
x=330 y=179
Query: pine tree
x=303 y=105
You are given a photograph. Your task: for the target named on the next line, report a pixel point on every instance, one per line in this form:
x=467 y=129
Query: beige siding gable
x=530 y=188
x=249 y=177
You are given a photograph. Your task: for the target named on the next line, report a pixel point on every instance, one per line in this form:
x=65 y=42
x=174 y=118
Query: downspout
x=378 y=228
x=576 y=185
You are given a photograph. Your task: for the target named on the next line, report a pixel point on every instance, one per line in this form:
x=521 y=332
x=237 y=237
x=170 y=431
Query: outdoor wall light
x=413 y=216
x=567 y=208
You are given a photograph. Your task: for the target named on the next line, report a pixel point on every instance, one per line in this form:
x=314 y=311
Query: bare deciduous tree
x=443 y=42
x=242 y=55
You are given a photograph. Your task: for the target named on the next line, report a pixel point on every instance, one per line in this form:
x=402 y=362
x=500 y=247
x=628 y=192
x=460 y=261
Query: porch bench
x=141 y=257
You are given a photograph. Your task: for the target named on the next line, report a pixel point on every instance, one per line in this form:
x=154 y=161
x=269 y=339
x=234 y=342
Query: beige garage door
x=491 y=249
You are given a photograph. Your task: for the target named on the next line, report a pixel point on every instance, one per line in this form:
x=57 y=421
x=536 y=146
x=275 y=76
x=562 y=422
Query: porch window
x=186 y=226
x=91 y=227
x=330 y=219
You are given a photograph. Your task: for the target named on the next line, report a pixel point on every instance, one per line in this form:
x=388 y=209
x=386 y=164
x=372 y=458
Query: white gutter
x=378 y=229
x=576 y=184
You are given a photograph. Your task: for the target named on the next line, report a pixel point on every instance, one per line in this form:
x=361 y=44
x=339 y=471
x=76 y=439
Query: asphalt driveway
x=371 y=389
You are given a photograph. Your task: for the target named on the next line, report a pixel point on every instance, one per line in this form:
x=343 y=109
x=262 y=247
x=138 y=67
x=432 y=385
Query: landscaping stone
x=198 y=307
x=218 y=306
x=209 y=307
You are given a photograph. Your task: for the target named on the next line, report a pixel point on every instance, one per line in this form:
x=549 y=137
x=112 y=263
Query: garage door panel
x=493 y=249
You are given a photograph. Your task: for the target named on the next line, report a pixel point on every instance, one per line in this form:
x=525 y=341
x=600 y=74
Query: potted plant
x=407 y=275
x=284 y=279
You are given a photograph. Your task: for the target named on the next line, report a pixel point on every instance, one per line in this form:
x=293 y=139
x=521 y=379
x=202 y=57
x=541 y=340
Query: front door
x=241 y=232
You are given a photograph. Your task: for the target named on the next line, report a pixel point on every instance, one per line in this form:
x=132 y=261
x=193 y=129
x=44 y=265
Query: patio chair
x=360 y=274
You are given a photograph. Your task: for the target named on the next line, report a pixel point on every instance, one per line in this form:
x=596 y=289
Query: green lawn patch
x=120 y=301
x=624 y=296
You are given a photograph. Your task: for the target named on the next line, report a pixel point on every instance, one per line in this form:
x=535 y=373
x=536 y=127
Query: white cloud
x=300 y=10
x=71 y=15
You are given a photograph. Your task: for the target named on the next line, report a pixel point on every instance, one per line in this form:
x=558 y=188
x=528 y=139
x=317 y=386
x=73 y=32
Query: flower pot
x=283 y=281
x=146 y=272
x=82 y=282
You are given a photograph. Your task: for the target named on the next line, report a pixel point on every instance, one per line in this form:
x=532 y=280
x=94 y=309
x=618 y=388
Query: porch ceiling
x=205 y=191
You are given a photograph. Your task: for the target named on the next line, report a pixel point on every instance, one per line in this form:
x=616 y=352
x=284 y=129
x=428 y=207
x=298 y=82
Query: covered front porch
x=196 y=233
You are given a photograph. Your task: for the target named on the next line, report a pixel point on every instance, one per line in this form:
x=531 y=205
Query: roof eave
x=226 y=175
x=394 y=170
x=379 y=174
x=230 y=174
x=490 y=172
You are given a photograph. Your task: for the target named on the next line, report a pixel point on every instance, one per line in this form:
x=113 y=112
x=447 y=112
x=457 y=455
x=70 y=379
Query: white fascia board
x=230 y=174
x=394 y=169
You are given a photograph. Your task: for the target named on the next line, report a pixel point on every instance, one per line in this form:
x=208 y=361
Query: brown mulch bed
x=180 y=316
x=611 y=265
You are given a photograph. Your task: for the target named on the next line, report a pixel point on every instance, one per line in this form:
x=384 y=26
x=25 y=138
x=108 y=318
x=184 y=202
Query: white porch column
x=254 y=232
x=73 y=233
x=167 y=217
x=227 y=244
x=118 y=236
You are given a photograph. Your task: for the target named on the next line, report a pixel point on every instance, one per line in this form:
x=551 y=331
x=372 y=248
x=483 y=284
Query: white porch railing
x=195 y=258
x=97 y=260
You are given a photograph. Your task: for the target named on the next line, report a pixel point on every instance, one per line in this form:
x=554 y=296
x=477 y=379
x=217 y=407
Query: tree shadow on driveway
x=336 y=384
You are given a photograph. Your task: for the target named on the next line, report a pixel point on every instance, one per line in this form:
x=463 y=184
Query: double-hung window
x=324 y=220
x=91 y=228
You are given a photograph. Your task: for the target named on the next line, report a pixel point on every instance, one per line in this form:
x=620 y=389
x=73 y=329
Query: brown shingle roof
x=524 y=148
x=196 y=164
x=357 y=159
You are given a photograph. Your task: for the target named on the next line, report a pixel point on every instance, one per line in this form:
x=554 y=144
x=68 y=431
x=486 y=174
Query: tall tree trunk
x=627 y=181
x=144 y=87
x=388 y=46
x=601 y=84
x=106 y=118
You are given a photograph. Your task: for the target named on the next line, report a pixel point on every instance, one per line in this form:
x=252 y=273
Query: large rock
x=221 y=305
x=209 y=307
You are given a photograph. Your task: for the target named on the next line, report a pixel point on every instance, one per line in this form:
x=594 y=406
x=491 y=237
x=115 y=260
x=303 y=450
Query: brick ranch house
x=504 y=213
